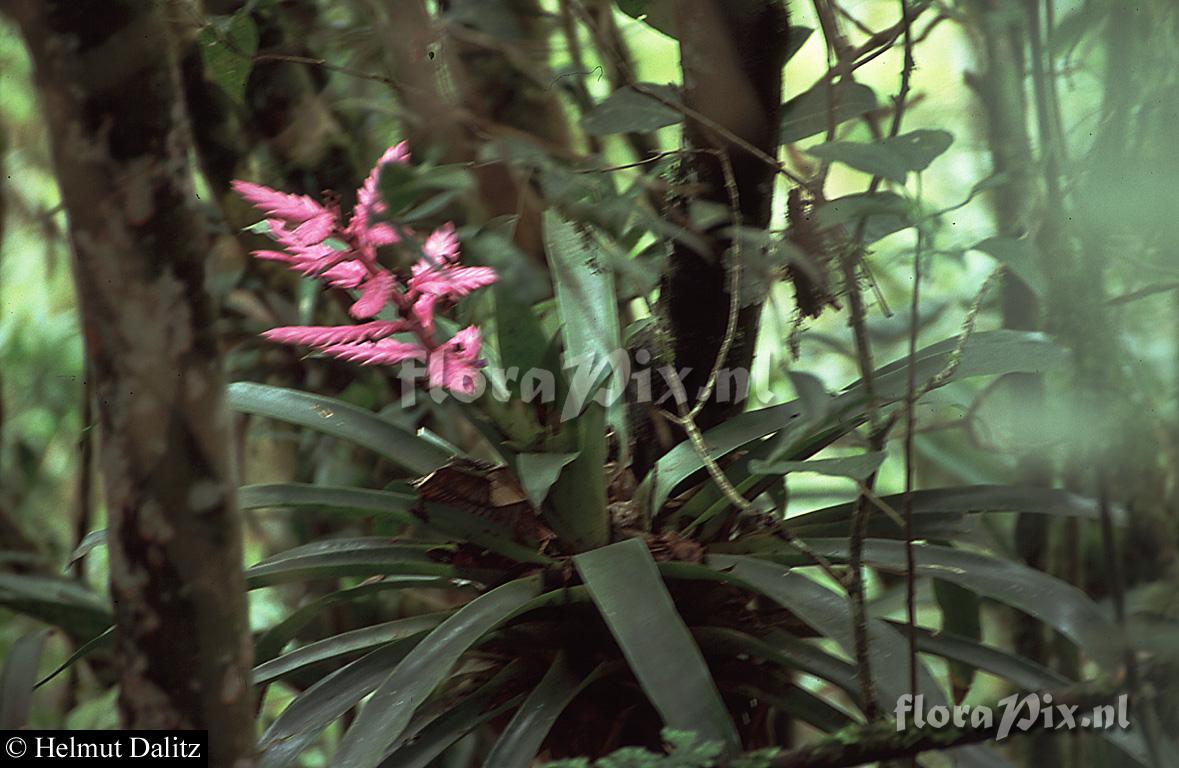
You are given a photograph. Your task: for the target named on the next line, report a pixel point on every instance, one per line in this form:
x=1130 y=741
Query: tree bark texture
x=112 y=103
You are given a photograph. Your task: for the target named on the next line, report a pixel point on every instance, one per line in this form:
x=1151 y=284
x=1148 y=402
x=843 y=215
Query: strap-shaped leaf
x=430 y=735
x=370 y=556
x=1025 y=674
x=523 y=736
x=313 y=710
x=90 y=646
x=389 y=504
x=984 y=354
x=339 y=419
x=625 y=584
x=344 y=644
x=584 y=283
x=577 y=500
x=62 y=602
x=836 y=520
x=1052 y=601
x=391 y=707
x=781 y=648
x=271 y=643
x=829 y=613
x=18 y=677
x=825 y=610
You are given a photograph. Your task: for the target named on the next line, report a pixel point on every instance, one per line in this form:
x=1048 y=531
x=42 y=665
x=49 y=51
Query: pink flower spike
x=322 y=336
x=455 y=365
x=295 y=209
x=382 y=352
x=442 y=246
x=375 y=293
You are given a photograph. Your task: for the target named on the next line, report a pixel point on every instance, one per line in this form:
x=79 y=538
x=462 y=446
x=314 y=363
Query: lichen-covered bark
x=110 y=92
x=732 y=54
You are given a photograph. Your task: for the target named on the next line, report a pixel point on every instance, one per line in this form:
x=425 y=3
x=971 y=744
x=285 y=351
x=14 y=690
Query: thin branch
x=323 y=64
x=910 y=427
x=735 y=265
x=911 y=383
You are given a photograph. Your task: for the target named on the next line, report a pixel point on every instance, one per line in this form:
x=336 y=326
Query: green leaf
x=18 y=677
x=61 y=602
x=892 y=158
x=829 y=613
x=391 y=707
x=334 y=558
x=1020 y=256
x=519 y=335
x=314 y=709
x=101 y=640
x=798 y=38
x=584 y=282
x=272 y=641
x=882 y=213
x=588 y=309
x=1023 y=673
x=968 y=499
x=227 y=51
x=807 y=114
x=577 y=499
x=781 y=648
x=346 y=643
x=89 y=543
x=961 y=615
x=395 y=506
x=423 y=742
x=522 y=737
x=1059 y=605
x=859 y=467
x=630 y=111
x=626 y=586
x=538 y=472
x=990 y=353
x=339 y=419
x=986 y=353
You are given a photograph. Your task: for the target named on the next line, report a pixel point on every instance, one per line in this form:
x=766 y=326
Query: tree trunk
x=732 y=55
x=110 y=91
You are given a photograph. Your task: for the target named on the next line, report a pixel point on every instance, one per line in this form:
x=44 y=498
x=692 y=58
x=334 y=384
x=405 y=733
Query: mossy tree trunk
x=110 y=91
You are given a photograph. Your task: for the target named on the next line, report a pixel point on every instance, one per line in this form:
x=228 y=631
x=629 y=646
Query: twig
x=323 y=64
x=910 y=426
x=735 y=265
x=726 y=486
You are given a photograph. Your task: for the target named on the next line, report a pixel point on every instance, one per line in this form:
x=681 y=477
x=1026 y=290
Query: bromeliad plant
x=604 y=607
x=594 y=609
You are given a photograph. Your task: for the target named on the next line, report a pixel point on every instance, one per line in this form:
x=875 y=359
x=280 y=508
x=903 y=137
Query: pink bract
x=316 y=242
